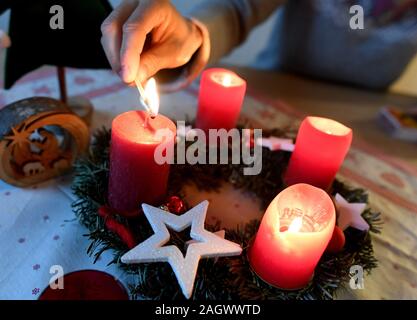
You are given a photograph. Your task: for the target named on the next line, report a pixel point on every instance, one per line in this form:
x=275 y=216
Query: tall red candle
x=320 y=149
x=220 y=99
x=135 y=176
x=294 y=232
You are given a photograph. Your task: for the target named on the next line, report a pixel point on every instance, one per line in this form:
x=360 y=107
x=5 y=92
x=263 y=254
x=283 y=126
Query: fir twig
x=224 y=278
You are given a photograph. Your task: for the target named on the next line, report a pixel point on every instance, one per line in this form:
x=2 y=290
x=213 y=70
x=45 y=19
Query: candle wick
x=147 y=117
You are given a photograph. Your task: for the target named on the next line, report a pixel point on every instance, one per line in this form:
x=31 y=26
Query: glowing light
x=227 y=80
x=152 y=97
x=296 y=225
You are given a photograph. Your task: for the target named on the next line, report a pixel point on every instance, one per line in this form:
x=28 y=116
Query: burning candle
x=294 y=232
x=320 y=149
x=220 y=99
x=135 y=176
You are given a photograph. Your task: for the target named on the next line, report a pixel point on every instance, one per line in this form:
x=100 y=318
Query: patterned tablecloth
x=38 y=229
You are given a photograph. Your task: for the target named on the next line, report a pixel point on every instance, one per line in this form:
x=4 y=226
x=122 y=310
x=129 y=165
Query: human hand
x=172 y=38
x=4 y=40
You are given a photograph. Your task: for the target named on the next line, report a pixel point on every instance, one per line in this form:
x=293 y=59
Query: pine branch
x=233 y=278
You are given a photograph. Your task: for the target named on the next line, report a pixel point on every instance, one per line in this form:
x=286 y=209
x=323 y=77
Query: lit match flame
x=296 y=225
x=149 y=96
x=152 y=97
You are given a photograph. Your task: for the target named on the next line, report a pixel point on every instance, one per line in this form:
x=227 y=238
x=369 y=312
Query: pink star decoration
x=350 y=214
x=185 y=268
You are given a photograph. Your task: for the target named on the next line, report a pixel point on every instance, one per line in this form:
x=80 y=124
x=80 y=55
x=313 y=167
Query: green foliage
x=222 y=278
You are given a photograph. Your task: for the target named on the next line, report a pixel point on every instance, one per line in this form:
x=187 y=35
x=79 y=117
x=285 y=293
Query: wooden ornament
x=82 y=107
x=39 y=139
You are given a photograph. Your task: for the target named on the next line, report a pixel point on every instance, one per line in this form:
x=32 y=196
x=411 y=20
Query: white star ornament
x=185 y=268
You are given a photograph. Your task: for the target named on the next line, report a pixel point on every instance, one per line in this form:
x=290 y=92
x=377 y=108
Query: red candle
x=293 y=235
x=135 y=176
x=220 y=99
x=320 y=149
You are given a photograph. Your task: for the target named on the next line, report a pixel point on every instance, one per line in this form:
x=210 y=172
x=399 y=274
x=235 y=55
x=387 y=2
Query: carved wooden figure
x=39 y=139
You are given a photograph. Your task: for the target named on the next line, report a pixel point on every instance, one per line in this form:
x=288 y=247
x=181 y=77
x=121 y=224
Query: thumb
x=155 y=59
x=4 y=40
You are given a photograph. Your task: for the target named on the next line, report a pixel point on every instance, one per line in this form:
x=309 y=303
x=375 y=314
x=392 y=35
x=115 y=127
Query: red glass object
x=294 y=232
x=220 y=99
x=135 y=176
x=87 y=285
x=320 y=150
x=175 y=205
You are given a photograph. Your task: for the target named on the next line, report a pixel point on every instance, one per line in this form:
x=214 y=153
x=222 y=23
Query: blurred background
x=246 y=53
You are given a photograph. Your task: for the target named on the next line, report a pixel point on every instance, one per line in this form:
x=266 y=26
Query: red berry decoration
x=175 y=205
x=337 y=242
x=87 y=285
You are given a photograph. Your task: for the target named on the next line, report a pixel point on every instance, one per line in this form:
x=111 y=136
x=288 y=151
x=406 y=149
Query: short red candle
x=135 y=176
x=320 y=149
x=87 y=285
x=294 y=232
x=220 y=99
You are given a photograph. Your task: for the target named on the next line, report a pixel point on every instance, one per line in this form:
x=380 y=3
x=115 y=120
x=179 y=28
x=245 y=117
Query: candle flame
x=227 y=80
x=152 y=97
x=296 y=225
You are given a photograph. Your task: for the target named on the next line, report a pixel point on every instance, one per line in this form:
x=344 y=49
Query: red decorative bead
x=175 y=205
x=337 y=242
